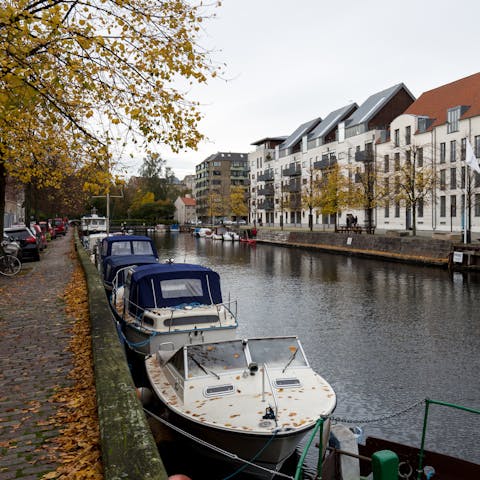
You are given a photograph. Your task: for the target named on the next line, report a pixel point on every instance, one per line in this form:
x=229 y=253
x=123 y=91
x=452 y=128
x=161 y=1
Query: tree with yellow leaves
x=238 y=202
x=76 y=77
x=334 y=191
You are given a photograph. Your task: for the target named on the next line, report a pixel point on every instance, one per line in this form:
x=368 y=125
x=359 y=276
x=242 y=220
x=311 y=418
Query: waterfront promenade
x=34 y=335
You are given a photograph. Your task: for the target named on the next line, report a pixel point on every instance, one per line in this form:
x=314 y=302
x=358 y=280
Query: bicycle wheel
x=10 y=265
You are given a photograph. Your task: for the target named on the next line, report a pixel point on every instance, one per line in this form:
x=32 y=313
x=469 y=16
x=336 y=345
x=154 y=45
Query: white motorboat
x=164 y=306
x=255 y=398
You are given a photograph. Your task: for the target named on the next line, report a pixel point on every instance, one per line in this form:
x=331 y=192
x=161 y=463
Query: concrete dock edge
x=128 y=448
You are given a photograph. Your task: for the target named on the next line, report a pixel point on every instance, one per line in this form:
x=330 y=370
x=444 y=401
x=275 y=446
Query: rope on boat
x=223 y=452
x=377 y=419
x=135 y=344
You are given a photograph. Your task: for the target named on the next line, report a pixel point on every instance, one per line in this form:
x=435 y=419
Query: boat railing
x=421 y=454
x=266 y=375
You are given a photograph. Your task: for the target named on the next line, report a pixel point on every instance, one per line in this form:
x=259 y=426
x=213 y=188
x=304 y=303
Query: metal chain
x=377 y=419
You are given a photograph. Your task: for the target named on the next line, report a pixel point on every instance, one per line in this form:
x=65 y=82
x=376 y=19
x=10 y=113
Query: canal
x=385 y=335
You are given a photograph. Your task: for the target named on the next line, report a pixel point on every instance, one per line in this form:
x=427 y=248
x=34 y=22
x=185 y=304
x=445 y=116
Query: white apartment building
x=387 y=130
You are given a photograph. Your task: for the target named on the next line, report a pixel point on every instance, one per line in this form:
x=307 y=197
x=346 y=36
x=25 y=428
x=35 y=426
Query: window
x=443 y=179
x=442 y=206
x=408 y=135
x=453 y=178
x=453 y=115
x=386 y=163
x=453 y=150
x=476 y=180
x=442 y=152
x=408 y=161
x=477 y=146
x=453 y=206
x=387 y=210
x=420 y=207
x=397 y=162
x=462 y=180
x=463 y=149
x=397 y=209
x=477 y=204
x=420 y=157
x=396 y=137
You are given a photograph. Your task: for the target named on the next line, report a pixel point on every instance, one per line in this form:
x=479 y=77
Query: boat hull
x=268 y=452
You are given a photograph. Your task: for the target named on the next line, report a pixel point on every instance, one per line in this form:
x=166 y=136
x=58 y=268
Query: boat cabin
x=171 y=286
x=220 y=369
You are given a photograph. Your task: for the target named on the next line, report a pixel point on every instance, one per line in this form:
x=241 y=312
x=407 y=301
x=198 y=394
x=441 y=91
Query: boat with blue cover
x=164 y=306
x=116 y=266
x=125 y=246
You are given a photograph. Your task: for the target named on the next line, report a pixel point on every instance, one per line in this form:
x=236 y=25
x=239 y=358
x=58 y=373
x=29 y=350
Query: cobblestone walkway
x=34 y=333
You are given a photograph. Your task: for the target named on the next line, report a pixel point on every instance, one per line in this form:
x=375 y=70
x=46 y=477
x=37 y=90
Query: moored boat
x=164 y=306
x=116 y=252
x=255 y=398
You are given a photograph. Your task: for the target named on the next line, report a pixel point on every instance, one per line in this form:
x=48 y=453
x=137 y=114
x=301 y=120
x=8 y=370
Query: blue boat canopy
x=128 y=245
x=116 y=263
x=172 y=285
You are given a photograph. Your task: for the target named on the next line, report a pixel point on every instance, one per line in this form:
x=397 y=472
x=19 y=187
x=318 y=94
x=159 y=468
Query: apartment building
x=432 y=134
x=346 y=136
x=214 y=179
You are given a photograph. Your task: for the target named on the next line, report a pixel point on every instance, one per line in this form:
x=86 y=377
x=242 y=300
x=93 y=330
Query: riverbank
x=432 y=251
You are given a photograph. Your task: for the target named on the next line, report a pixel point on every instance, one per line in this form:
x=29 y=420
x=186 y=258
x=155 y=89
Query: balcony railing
x=265 y=205
x=266 y=176
x=294 y=187
x=294 y=203
x=364 y=156
x=292 y=170
x=325 y=163
x=267 y=190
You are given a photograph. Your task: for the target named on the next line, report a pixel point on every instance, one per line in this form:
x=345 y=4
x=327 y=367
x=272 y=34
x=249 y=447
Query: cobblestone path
x=34 y=334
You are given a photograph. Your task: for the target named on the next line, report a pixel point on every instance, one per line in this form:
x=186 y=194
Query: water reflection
x=385 y=335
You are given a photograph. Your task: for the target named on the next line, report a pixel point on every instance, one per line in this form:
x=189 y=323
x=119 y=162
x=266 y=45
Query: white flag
x=470 y=158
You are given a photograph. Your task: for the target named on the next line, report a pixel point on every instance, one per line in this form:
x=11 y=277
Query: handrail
x=421 y=453
x=318 y=426
x=272 y=389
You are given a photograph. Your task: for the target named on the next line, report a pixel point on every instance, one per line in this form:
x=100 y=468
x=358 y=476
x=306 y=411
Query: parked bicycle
x=10 y=265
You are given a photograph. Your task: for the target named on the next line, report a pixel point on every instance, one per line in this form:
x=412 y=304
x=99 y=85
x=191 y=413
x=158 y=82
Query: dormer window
x=453 y=115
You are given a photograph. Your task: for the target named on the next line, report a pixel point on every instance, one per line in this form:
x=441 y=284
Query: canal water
x=385 y=335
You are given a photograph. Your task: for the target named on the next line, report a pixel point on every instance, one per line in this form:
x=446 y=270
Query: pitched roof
x=435 y=103
x=374 y=104
x=189 y=202
x=331 y=121
x=297 y=135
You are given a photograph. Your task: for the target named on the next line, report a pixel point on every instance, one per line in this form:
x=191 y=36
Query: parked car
x=28 y=241
x=47 y=228
x=42 y=238
x=59 y=226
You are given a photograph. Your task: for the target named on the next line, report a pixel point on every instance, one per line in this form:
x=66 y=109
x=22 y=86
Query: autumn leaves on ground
x=77 y=448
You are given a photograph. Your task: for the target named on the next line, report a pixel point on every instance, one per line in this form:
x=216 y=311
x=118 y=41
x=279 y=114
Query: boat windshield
x=215 y=358
x=277 y=352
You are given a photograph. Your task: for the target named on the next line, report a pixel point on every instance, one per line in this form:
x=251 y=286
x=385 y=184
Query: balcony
x=294 y=187
x=292 y=170
x=364 y=156
x=265 y=205
x=325 y=163
x=266 y=177
x=267 y=190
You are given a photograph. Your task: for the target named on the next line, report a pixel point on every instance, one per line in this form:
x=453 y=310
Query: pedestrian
x=355 y=221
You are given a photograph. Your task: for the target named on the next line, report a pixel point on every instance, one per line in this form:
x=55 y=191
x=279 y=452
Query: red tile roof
x=189 y=202
x=435 y=103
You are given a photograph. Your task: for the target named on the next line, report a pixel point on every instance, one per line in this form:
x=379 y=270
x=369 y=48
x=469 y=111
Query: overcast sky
x=291 y=61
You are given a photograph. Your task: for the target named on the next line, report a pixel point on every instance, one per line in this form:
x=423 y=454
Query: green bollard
x=385 y=465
